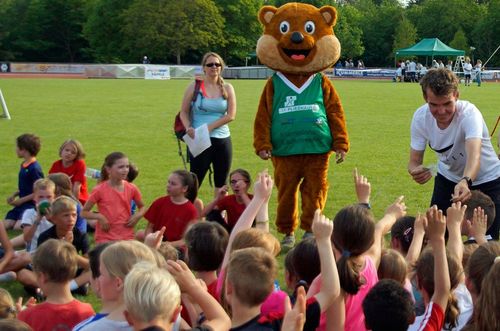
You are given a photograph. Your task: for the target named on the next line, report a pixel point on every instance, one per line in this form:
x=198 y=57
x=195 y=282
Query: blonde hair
x=62 y=204
x=7 y=307
x=80 y=154
x=120 y=257
x=256 y=238
x=150 y=292
x=168 y=251
x=44 y=184
x=220 y=80
x=392 y=266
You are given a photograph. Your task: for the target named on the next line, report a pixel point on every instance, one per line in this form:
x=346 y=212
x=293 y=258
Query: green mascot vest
x=299 y=122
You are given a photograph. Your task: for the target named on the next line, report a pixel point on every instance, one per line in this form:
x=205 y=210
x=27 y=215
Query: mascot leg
x=314 y=187
x=287 y=178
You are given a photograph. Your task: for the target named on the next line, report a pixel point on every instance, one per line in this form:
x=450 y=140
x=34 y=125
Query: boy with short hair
x=250 y=279
x=54 y=274
x=152 y=298
x=27 y=147
x=474 y=232
x=63 y=216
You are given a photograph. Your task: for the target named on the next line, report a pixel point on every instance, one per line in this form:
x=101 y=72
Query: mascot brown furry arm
x=300 y=119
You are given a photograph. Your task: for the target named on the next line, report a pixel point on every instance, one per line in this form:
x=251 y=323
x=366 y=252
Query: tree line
x=173 y=31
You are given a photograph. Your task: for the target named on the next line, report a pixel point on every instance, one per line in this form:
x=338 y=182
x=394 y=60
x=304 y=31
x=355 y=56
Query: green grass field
x=136 y=116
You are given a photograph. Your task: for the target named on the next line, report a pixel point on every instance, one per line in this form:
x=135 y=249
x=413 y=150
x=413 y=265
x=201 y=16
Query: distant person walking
x=477 y=69
x=467 y=71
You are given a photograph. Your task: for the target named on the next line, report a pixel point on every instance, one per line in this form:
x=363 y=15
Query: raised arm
x=362 y=187
x=393 y=212
x=322 y=229
x=455 y=216
x=262 y=190
x=216 y=317
x=416 y=242
x=436 y=227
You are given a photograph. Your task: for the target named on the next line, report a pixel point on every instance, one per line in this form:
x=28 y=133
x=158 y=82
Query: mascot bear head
x=298 y=38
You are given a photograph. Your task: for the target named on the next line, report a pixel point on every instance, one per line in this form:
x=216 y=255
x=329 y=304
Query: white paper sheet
x=200 y=142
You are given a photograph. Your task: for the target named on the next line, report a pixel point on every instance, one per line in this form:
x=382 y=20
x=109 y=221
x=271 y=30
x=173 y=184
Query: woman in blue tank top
x=214 y=106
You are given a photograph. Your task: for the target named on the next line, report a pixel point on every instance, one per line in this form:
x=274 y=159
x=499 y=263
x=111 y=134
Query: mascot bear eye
x=309 y=27
x=284 y=27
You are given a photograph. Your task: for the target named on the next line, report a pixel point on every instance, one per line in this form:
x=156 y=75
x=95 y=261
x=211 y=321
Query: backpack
x=179 y=128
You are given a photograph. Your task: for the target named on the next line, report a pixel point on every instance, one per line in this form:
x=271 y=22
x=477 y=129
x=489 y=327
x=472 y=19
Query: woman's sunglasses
x=213 y=64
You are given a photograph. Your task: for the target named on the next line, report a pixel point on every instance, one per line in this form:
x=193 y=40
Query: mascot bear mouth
x=297 y=54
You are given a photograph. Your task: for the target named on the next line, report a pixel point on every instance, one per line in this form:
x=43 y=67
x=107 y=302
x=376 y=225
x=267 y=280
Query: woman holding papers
x=214 y=107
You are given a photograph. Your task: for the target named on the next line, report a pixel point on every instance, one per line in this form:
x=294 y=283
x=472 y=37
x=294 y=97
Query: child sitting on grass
x=116 y=261
x=152 y=298
x=72 y=163
x=27 y=148
x=63 y=216
x=55 y=264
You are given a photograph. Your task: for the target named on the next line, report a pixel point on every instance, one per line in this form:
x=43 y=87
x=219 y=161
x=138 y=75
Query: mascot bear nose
x=297 y=37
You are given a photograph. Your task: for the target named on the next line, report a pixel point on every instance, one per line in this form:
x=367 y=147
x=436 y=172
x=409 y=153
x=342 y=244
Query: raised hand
x=436 y=224
x=398 y=208
x=322 y=227
x=362 y=186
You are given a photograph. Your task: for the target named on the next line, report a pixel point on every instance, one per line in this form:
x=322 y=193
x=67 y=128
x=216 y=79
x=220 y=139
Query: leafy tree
x=460 y=41
x=486 y=35
x=242 y=29
x=103 y=30
x=169 y=27
x=47 y=30
x=379 y=30
x=406 y=34
x=349 y=32
x=441 y=19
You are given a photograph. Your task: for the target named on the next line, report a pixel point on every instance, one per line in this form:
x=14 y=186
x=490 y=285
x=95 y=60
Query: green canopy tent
x=429 y=47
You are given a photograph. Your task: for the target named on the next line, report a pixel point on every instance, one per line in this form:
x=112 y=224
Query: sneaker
x=82 y=290
x=307 y=234
x=287 y=243
x=8 y=276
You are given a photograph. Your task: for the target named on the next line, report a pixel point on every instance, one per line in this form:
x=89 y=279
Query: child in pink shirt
x=113 y=197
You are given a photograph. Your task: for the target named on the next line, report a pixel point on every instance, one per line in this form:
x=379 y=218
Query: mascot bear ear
x=329 y=14
x=266 y=13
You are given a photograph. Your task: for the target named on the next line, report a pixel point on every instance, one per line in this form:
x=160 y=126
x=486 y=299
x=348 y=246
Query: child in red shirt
x=174 y=211
x=60 y=310
x=73 y=165
x=234 y=204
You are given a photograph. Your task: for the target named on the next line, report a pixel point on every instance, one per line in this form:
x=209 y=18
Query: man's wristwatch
x=468 y=180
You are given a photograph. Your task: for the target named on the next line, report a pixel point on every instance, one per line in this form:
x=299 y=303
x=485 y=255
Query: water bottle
x=93 y=173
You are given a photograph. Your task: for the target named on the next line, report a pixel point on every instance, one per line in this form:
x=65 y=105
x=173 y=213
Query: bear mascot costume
x=300 y=120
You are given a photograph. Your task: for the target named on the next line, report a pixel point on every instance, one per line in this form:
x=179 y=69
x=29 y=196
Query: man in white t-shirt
x=456 y=131
x=467 y=71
